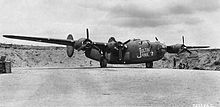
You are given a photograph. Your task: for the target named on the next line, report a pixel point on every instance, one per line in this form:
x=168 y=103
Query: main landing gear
x=103 y=62
x=149 y=64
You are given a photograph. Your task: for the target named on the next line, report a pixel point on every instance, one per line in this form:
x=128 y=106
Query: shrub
x=217 y=63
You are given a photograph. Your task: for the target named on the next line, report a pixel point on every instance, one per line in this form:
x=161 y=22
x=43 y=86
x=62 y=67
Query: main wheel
x=103 y=62
x=149 y=64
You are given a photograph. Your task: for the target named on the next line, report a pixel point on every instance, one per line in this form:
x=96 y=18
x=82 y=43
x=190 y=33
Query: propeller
x=87 y=43
x=121 y=46
x=184 y=47
x=118 y=46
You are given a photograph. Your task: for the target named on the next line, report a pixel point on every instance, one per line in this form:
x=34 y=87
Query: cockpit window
x=135 y=39
x=145 y=41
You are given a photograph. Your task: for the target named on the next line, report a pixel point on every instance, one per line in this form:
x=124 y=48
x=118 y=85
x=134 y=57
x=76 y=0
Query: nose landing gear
x=103 y=62
x=149 y=64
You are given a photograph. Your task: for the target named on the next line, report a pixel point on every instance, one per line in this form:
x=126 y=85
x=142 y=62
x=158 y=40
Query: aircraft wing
x=101 y=45
x=45 y=40
x=189 y=47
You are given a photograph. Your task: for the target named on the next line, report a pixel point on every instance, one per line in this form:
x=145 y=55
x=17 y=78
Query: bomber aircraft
x=132 y=51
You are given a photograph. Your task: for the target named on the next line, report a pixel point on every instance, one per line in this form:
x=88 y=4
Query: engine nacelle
x=70 y=49
x=113 y=45
x=174 y=48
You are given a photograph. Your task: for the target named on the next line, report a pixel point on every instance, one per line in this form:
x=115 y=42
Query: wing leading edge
x=45 y=40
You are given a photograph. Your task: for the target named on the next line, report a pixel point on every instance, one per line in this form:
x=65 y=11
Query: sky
x=168 y=20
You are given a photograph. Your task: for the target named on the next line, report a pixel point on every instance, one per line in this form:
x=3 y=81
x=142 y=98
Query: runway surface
x=91 y=86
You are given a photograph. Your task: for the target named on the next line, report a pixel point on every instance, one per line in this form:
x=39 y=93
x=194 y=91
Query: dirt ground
x=45 y=76
x=114 y=86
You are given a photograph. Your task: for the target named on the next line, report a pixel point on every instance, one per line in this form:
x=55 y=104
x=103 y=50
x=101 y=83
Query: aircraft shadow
x=89 y=67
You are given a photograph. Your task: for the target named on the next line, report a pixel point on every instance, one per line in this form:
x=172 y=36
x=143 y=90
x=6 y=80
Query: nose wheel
x=103 y=62
x=149 y=64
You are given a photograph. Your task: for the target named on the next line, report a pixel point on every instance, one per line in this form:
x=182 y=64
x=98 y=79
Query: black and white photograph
x=110 y=53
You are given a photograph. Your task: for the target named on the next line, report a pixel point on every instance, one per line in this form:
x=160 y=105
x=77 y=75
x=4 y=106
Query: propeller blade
x=188 y=51
x=95 y=47
x=183 y=39
x=82 y=47
x=87 y=33
x=120 y=54
x=126 y=42
x=181 y=51
x=184 y=50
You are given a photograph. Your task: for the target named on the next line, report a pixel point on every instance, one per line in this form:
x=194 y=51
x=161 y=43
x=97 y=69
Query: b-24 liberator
x=132 y=51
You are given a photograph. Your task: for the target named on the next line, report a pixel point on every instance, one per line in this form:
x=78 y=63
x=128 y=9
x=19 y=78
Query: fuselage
x=137 y=51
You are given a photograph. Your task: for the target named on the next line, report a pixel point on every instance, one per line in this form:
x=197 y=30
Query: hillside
x=50 y=56
x=199 y=59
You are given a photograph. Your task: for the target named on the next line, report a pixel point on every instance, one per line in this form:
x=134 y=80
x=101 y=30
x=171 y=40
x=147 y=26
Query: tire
x=103 y=62
x=149 y=64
